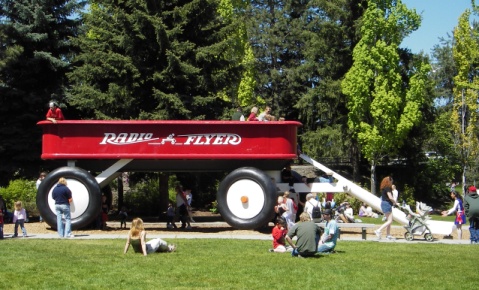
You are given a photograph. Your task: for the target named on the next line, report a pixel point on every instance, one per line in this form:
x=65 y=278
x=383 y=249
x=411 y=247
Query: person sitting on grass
x=137 y=240
x=331 y=233
x=307 y=233
x=279 y=232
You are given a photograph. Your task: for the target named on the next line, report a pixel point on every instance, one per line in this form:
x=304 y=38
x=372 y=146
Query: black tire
x=86 y=195
x=259 y=191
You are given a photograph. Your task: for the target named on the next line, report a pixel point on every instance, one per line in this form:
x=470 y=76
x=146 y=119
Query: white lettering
x=121 y=138
x=232 y=139
x=219 y=140
x=198 y=139
x=190 y=139
x=127 y=138
x=108 y=138
x=212 y=139
x=208 y=139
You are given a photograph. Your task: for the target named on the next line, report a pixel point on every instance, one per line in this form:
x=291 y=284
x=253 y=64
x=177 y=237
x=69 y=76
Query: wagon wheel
x=246 y=198
x=429 y=237
x=86 y=194
x=408 y=236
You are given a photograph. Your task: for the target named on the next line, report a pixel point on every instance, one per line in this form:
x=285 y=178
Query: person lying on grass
x=137 y=240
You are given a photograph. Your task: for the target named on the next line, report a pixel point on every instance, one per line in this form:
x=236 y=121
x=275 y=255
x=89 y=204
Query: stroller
x=417 y=222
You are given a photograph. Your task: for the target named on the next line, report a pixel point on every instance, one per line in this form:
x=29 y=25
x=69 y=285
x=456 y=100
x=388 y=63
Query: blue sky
x=439 y=17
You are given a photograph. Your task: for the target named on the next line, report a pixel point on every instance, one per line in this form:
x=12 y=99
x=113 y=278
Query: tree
x=383 y=106
x=34 y=57
x=466 y=86
x=154 y=60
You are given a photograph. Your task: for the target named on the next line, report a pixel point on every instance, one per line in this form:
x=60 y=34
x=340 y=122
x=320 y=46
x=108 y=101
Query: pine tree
x=154 y=60
x=34 y=57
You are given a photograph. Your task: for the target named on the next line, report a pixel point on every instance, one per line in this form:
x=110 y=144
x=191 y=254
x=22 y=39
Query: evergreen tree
x=154 y=60
x=34 y=57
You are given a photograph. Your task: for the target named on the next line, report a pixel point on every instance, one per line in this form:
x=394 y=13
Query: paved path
x=185 y=234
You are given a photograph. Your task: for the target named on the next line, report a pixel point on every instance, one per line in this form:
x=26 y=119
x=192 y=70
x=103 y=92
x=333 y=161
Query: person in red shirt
x=279 y=232
x=54 y=114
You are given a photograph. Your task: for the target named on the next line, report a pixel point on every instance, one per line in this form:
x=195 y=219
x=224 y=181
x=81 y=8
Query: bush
x=20 y=190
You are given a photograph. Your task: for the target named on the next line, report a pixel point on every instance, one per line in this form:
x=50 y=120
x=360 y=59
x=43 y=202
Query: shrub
x=20 y=190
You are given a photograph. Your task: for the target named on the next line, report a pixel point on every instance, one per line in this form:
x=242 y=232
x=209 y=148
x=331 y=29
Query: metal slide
x=344 y=185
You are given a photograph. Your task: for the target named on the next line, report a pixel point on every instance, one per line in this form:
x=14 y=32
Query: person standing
x=310 y=204
x=458 y=208
x=387 y=203
x=54 y=114
x=42 y=176
x=170 y=217
x=331 y=233
x=307 y=233
x=63 y=196
x=471 y=207
x=182 y=206
x=19 y=217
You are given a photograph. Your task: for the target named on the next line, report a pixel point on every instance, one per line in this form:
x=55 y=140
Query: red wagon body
x=246 y=196
x=171 y=145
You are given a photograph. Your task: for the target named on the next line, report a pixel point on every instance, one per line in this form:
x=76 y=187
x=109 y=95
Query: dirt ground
x=205 y=223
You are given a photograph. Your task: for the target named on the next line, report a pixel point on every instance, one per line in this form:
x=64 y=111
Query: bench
x=351 y=226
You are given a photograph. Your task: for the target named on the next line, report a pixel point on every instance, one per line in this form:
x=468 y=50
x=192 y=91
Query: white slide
x=346 y=186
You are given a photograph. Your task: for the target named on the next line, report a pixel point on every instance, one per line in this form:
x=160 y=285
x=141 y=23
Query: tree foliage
x=154 y=60
x=34 y=57
x=465 y=106
x=383 y=106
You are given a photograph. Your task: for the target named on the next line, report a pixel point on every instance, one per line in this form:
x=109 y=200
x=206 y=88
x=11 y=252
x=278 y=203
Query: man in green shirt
x=307 y=234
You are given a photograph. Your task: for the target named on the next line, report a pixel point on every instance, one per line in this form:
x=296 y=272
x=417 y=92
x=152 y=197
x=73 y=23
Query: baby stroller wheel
x=429 y=237
x=408 y=236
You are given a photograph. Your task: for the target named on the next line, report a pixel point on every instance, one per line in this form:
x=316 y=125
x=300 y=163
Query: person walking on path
x=63 y=197
x=137 y=240
x=19 y=217
x=182 y=207
x=387 y=203
x=458 y=208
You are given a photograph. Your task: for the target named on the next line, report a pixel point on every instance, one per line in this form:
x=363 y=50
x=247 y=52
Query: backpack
x=316 y=212
x=471 y=205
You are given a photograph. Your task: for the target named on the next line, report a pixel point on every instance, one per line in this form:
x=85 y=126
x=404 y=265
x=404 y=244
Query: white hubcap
x=245 y=199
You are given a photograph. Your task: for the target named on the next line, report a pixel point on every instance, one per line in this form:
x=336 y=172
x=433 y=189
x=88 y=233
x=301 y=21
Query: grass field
x=234 y=264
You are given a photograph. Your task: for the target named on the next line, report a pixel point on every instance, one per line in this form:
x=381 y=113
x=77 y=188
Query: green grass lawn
x=234 y=264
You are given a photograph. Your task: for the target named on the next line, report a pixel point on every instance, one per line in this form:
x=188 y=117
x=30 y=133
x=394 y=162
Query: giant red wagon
x=252 y=152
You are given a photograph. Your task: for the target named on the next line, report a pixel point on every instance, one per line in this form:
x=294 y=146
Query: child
x=19 y=217
x=170 y=217
x=279 y=232
x=137 y=239
x=123 y=215
x=189 y=198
